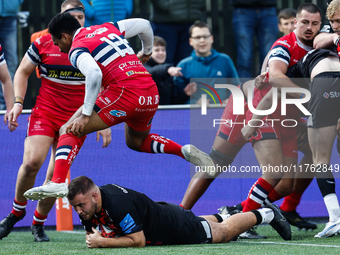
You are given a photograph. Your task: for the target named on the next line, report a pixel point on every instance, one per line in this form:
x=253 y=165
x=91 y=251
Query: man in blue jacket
x=204 y=62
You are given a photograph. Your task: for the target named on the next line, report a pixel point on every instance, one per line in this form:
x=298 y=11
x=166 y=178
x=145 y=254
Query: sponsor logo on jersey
x=69 y=75
x=326 y=29
x=53 y=55
x=284 y=43
x=332 y=94
x=279 y=51
x=129 y=73
x=325 y=95
x=117 y=113
x=149 y=100
x=129 y=64
x=37 y=126
x=96 y=32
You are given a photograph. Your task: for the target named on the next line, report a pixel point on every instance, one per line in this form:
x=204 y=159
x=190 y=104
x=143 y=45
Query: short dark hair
x=63 y=23
x=286 y=13
x=199 y=24
x=159 y=41
x=309 y=7
x=79 y=185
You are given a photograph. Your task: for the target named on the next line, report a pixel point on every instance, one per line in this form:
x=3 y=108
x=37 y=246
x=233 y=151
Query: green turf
x=70 y=243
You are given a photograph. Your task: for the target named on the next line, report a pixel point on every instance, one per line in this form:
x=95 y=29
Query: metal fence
x=218 y=14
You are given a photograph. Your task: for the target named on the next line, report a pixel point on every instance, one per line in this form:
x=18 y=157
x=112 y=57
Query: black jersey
x=125 y=211
x=328 y=29
x=304 y=67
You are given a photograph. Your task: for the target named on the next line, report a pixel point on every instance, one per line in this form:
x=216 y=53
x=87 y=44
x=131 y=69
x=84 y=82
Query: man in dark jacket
x=171 y=20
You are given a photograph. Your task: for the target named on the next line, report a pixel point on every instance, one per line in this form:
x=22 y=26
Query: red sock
x=158 y=144
x=38 y=218
x=258 y=194
x=18 y=208
x=67 y=149
x=243 y=203
x=291 y=202
x=274 y=196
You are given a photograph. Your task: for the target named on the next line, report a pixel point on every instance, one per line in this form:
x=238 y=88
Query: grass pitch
x=74 y=243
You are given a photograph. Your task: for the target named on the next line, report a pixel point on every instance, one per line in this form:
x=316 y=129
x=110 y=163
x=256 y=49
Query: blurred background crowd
x=237 y=38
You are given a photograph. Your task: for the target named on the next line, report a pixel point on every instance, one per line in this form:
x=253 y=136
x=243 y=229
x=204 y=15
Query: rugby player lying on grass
x=114 y=216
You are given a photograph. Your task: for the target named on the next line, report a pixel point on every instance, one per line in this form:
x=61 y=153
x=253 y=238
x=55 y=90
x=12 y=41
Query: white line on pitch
x=301 y=244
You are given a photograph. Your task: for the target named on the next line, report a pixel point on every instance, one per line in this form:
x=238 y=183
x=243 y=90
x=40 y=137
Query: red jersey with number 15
x=288 y=49
x=112 y=52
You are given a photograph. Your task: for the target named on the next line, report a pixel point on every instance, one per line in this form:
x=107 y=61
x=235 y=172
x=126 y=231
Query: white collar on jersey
x=77 y=32
x=303 y=46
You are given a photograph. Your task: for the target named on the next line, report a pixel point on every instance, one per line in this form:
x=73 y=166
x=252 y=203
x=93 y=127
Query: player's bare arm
x=277 y=75
x=20 y=87
x=325 y=40
x=7 y=88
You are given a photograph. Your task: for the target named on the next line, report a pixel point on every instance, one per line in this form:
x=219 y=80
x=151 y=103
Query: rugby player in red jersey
x=105 y=57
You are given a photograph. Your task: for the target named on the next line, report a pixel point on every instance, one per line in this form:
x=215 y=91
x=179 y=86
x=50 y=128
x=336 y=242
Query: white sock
x=332 y=204
x=267 y=215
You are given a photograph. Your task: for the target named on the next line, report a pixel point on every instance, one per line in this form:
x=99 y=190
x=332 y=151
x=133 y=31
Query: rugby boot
x=251 y=234
x=279 y=223
x=199 y=158
x=226 y=209
x=331 y=229
x=6 y=225
x=296 y=220
x=51 y=189
x=39 y=233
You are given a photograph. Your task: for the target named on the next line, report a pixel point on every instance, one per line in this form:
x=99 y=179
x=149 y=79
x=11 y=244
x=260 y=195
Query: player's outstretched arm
x=95 y=240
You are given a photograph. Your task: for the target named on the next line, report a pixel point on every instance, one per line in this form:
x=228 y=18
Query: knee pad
x=220 y=158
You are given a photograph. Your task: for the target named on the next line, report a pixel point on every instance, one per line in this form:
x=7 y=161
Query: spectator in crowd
x=286 y=20
x=100 y=11
x=8 y=37
x=171 y=20
x=253 y=18
x=204 y=62
x=162 y=72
